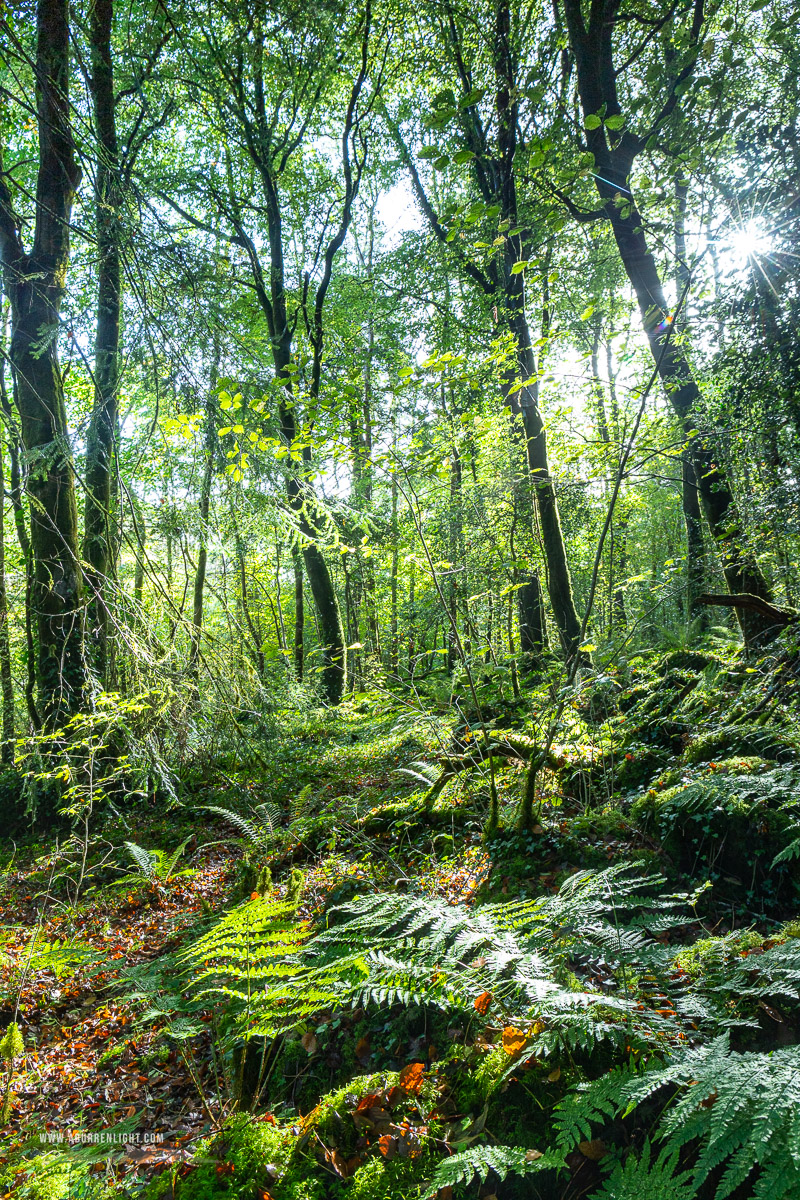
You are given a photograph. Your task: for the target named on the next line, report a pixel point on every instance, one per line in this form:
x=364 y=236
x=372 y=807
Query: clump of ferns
x=536 y=960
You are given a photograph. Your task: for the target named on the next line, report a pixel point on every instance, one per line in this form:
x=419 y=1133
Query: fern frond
x=639 y=1179
x=145 y=860
x=742 y=1109
x=480 y=1160
x=259 y=833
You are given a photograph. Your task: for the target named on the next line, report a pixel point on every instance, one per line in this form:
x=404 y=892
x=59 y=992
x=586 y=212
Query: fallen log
x=781 y=616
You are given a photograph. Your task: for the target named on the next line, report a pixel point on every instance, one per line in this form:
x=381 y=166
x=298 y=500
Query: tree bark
x=299 y=616
x=204 y=508
x=34 y=282
x=532 y=627
x=6 y=679
x=98 y=548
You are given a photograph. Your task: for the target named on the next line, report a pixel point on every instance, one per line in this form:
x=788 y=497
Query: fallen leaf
x=481 y=1003
x=513 y=1040
x=533 y=1155
x=411 y=1077
x=555 y=1075
x=309 y=1042
x=363 y=1047
x=387 y=1146
x=594 y=1150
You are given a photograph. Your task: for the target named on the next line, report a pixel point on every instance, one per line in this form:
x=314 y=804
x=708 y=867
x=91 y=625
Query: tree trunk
x=35 y=284
x=98 y=548
x=204 y=508
x=6 y=680
x=613 y=159
x=532 y=627
x=299 y=616
x=695 y=551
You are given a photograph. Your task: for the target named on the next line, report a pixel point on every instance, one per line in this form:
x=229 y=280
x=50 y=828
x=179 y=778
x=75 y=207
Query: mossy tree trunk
x=35 y=283
x=98 y=547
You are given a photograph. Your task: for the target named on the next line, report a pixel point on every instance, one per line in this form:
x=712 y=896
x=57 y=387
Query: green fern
x=156 y=866
x=245 y=958
x=414 y=949
x=741 y=1110
x=261 y=830
x=480 y=1160
x=639 y=1179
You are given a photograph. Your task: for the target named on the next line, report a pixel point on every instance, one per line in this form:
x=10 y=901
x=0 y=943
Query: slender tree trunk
x=618 y=617
x=613 y=159
x=24 y=544
x=98 y=544
x=456 y=534
x=299 y=616
x=690 y=499
x=532 y=626
x=524 y=400
x=695 y=550
x=411 y=620
x=6 y=680
x=35 y=283
x=204 y=507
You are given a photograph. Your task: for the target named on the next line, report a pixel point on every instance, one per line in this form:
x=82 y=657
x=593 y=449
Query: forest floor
x=685 y=766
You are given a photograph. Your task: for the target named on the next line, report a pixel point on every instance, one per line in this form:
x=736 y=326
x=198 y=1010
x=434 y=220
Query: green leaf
x=463 y=156
x=519 y=267
x=592 y=122
x=615 y=122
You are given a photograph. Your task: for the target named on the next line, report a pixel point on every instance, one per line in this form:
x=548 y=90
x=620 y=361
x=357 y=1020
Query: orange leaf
x=386 y=1145
x=411 y=1077
x=513 y=1040
x=481 y=1003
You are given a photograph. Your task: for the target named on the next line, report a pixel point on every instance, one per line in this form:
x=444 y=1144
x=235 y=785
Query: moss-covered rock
x=765 y=741
x=729 y=821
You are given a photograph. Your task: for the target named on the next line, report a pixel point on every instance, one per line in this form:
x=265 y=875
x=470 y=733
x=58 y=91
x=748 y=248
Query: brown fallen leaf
x=513 y=1040
x=387 y=1146
x=363 y=1048
x=594 y=1150
x=309 y=1042
x=411 y=1077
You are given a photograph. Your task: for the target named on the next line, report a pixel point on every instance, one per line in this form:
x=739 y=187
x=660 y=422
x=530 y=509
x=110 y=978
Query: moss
x=709 y=953
x=766 y=742
x=258 y=1151
x=381 y=1180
